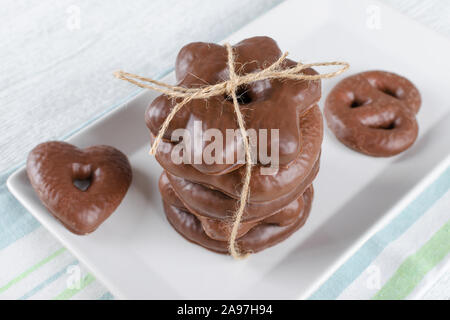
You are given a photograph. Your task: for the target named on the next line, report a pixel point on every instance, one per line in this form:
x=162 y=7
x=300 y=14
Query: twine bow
x=229 y=87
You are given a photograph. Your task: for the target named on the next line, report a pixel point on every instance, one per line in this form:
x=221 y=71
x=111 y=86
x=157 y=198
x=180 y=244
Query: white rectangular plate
x=137 y=254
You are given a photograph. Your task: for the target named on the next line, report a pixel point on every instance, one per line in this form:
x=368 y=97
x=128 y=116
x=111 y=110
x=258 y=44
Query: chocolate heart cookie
x=80 y=187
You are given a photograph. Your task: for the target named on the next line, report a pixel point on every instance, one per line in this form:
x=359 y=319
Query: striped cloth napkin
x=401 y=261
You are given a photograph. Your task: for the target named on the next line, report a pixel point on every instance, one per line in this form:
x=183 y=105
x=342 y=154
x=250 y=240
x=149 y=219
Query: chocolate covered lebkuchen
x=200 y=197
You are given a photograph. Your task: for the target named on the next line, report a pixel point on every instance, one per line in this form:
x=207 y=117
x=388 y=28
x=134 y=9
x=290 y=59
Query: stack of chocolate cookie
x=201 y=194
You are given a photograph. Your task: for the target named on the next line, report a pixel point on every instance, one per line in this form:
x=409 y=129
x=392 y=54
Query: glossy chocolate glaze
x=209 y=203
x=266 y=104
x=258 y=238
x=374 y=113
x=52 y=168
x=263 y=188
x=219 y=228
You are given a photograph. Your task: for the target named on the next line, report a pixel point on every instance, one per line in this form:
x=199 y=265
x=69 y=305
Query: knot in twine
x=229 y=87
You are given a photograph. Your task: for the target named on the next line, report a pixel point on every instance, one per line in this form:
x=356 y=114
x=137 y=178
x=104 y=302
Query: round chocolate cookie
x=374 y=112
x=256 y=239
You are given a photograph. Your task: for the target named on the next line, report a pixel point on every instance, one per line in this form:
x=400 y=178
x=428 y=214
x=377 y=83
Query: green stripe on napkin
x=32 y=269
x=416 y=266
x=69 y=293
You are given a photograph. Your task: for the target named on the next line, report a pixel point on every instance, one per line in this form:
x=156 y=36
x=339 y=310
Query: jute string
x=229 y=87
